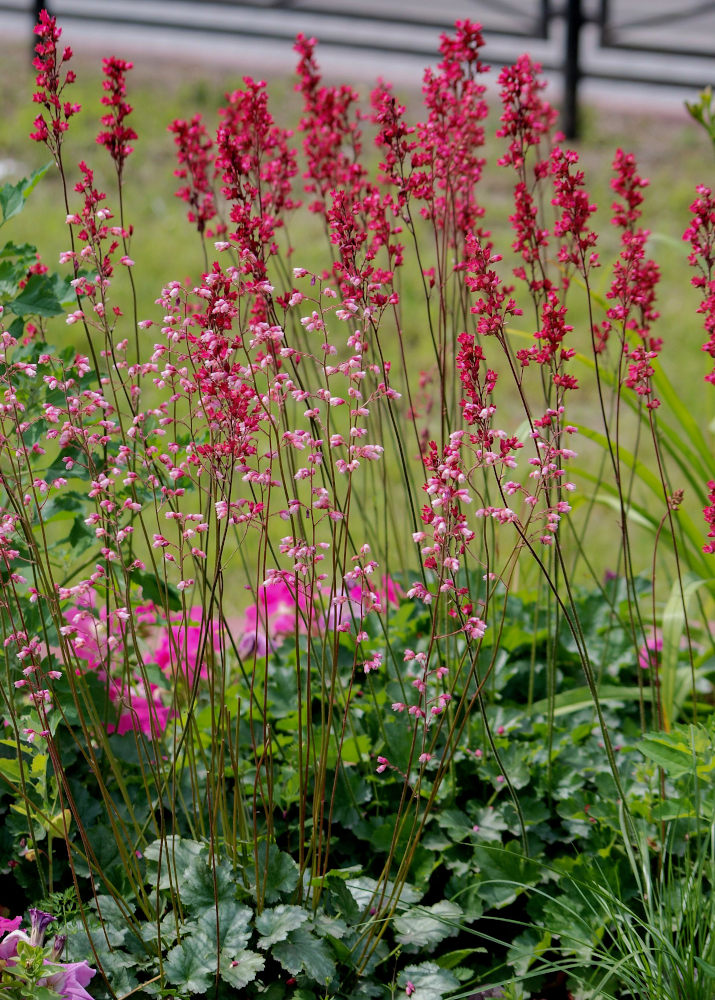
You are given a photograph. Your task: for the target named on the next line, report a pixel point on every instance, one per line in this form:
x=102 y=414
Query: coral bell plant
x=310 y=662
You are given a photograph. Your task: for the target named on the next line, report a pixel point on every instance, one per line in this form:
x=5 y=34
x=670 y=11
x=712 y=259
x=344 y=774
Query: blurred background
x=588 y=48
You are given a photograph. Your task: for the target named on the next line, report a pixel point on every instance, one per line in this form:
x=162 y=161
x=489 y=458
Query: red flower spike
x=116 y=140
x=257 y=167
x=445 y=166
x=701 y=235
x=332 y=140
x=194 y=155
x=709 y=513
x=50 y=85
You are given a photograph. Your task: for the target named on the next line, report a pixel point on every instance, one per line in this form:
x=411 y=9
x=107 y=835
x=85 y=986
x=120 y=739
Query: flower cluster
x=193 y=151
x=331 y=132
x=25 y=960
x=634 y=282
x=256 y=164
x=51 y=84
x=118 y=134
x=701 y=236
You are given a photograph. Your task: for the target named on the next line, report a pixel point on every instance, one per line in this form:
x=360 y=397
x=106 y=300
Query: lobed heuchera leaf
x=37 y=298
x=276 y=924
x=302 y=951
x=205 y=886
x=425 y=926
x=364 y=889
x=428 y=981
x=173 y=859
x=281 y=876
x=241 y=968
x=232 y=920
x=189 y=966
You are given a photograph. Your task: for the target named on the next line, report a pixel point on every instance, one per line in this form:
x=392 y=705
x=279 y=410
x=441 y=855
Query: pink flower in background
x=8 y=924
x=353 y=603
x=150 y=717
x=648 y=655
x=184 y=645
x=13 y=934
x=271 y=618
x=90 y=635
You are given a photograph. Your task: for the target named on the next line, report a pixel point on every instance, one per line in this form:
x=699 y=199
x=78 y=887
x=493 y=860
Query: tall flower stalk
x=257 y=430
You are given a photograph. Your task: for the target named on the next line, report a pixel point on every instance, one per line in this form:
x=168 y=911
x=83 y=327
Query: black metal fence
x=656 y=42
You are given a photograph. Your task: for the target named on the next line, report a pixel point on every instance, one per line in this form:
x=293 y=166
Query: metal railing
x=579 y=37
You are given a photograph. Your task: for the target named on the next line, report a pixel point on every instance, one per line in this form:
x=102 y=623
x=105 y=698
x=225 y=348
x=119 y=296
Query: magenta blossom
x=8 y=945
x=7 y=924
x=273 y=617
x=648 y=655
x=185 y=643
x=149 y=717
x=67 y=979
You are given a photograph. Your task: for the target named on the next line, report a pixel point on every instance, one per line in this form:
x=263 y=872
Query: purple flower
x=39 y=922
x=69 y=980
x=58 y=946
x=8 y=945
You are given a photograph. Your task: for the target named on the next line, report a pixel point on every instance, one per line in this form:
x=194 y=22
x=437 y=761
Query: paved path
x=397 y=38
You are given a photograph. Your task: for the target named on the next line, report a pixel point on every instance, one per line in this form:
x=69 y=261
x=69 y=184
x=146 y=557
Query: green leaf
x=24 y=252
x=10 y=769
x=707 y=967
x=276 y=924
x=364 y=890
x=241 y=967
x=526 y=948
x=429 y=981
x=341 y=900
x=14 y=196
x=43 y=993
x=683 y=751
x=157 y=591
x=281 y=877
x=677 y=611
x=580 y=698
x=452 y=959
x=233 y=922
x=64 y=506
x=504 y=873
x=81 y=536
x=189 y=966
x=425 y=926
x=37 y=298
x=302 y=951
x=491 y=824
x=204 y=885
x=173 y=858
